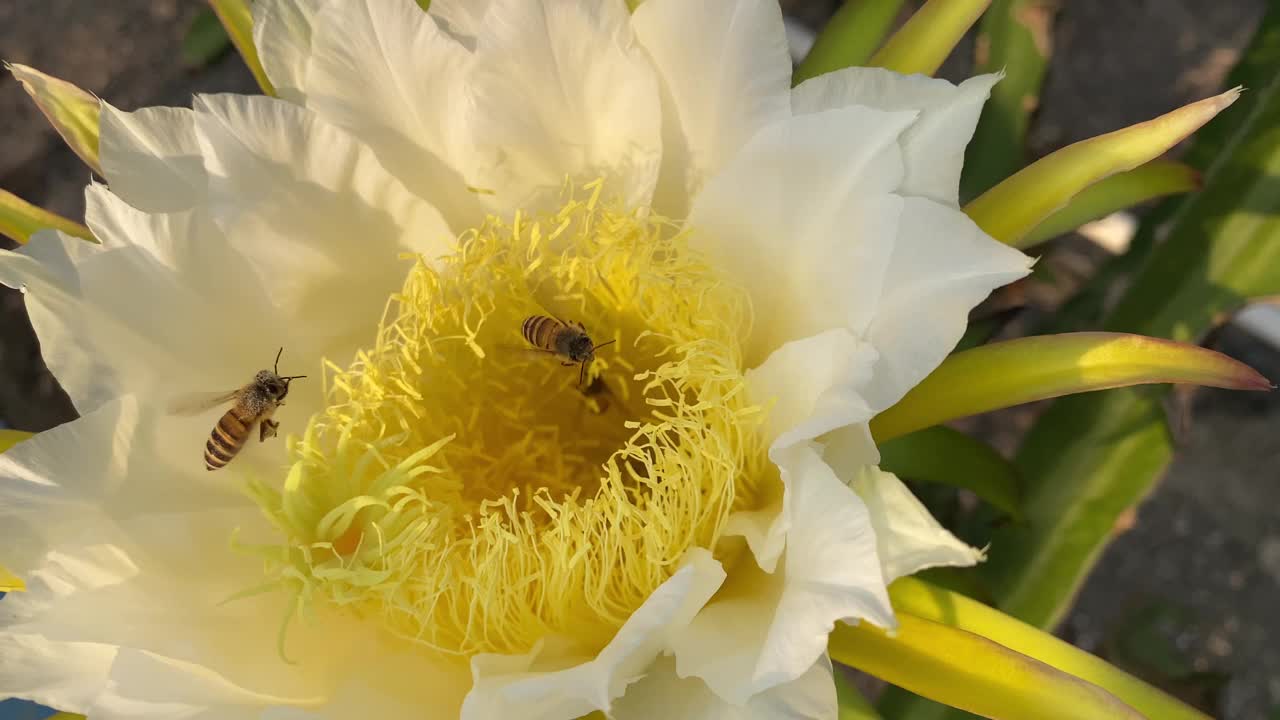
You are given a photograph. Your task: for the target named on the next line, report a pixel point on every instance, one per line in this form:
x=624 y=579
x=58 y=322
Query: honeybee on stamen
x=254 y=404
x=567 y=341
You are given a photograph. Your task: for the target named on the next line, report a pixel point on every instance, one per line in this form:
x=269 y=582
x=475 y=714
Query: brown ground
x=1207 y=544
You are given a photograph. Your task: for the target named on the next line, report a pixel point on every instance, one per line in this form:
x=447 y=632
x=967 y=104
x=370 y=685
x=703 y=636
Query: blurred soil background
x=1193 y=575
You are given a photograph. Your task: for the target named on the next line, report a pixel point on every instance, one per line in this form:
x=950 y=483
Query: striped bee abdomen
x=228 y=436
x=540 y=331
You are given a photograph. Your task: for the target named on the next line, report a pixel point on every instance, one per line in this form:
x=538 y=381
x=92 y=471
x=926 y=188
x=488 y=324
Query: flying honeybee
x=567 y=341
x=255 y=403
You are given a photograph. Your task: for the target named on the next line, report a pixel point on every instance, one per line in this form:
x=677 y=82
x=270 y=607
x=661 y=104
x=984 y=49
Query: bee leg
x=267 y=430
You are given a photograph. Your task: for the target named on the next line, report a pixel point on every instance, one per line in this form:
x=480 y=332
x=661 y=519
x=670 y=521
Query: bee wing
x=196 y=403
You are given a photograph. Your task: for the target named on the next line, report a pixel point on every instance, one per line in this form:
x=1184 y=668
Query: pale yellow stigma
x=468 y=494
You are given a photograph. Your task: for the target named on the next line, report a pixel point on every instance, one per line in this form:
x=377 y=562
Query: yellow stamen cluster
x=466 y=491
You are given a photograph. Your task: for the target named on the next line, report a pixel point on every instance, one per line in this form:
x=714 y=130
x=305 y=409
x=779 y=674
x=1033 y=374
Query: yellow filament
x=464 y=490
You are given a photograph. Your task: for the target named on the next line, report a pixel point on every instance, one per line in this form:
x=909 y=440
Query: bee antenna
x=276 y=367
x=582 y=373
x=293 y=377
x=597 y=347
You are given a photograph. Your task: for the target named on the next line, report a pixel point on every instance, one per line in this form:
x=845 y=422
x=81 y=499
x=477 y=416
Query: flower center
x=469 y=491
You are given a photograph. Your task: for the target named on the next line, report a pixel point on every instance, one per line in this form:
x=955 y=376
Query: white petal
x=113 y=317
x=159 y=276
x=908 y=539
x=282 y=34
x=126 y=591
x=561 y=90
x=542 y=686
x=934 y=145
x=802 y=217
x=763 y=630
x=384 y=71
x=726 y=73
x=388 y=680
x=106 y=570
x=322 y=221
x=942 y=266
x=151 y=157
x=46 y=273
x=462 y=18
x=115 y=683
x=809 y=387
x=663 y=694
x=62 y=676
x=32 y=482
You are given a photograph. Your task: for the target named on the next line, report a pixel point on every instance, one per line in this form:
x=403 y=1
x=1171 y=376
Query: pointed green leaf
x=1010 y=210
x=1035 y=368
x=1255 y=70
x=1015 y=38
x=849 y=37
x=929 y=602
x=968 y=671
x=1157 y=178
x=19 y=220
x=206 y=40
x=853 y=706
x=238 y=21
x=70 y=110
x=925 y=41
x=1089 y=459
x=942 y=455
x=10 y=582
x=9 y=438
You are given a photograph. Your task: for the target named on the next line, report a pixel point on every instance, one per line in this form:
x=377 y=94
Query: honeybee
x=567 y=341
x=255 y=403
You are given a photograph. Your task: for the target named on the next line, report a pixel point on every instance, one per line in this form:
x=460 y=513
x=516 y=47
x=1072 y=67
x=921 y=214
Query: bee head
x=581 y=349
x=273 y=384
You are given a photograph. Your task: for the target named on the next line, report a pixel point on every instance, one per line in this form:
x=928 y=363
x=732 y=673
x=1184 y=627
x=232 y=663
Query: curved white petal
x=804 y=218
x=112 y=318
x=118 y=683
x=548 y=686
x=766 y=629
x=934 y=145
x=942 y=266
x=726 y=73
x=661 y=693
x=125 y=613
x=322 y=221
x=908 y=539
x=151 y=157
x=385 y=72
x=462 y=18
x=32 y=482
x=94 y=555
x=809 y=388
x=561 y=90
x=282 y=35
x=45 y=271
